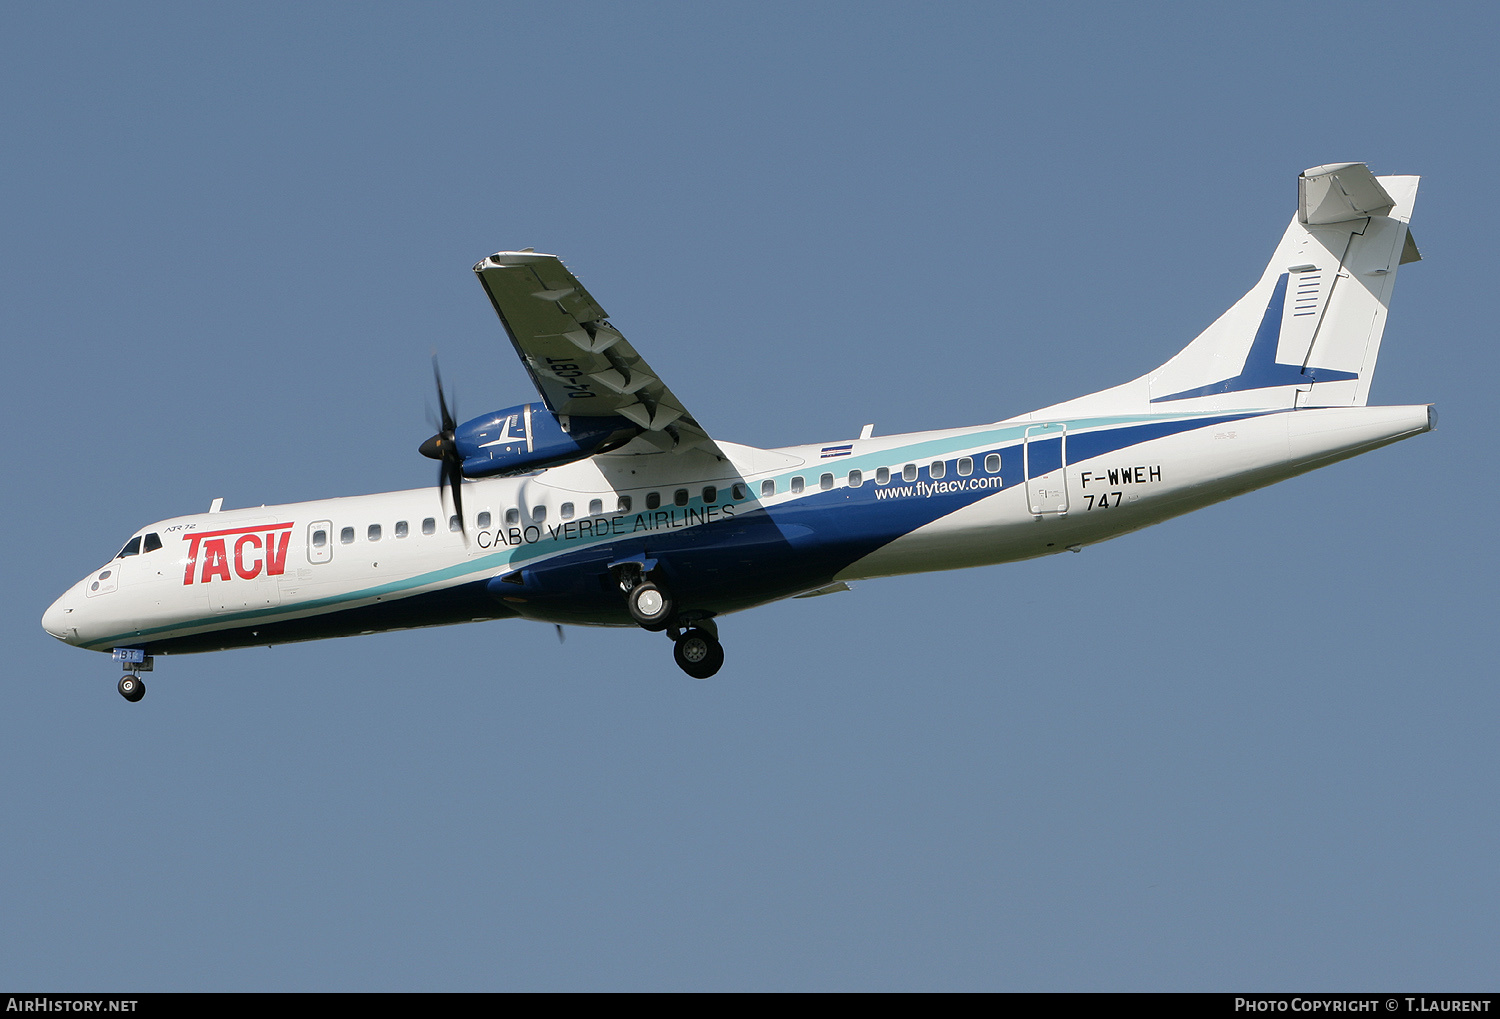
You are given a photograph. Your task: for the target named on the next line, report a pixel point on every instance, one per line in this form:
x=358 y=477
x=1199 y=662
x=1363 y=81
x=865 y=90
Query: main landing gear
x=131 y=687
x=698 y=652
x=650 y=606
x=695 y=636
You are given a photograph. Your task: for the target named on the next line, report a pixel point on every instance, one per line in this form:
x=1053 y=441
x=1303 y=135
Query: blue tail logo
x=1261 y=370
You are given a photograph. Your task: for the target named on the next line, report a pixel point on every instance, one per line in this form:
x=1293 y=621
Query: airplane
x=607 y=503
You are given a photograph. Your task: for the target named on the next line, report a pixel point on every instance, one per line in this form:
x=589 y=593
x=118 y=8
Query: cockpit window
x=132 y=547
x=153 y=542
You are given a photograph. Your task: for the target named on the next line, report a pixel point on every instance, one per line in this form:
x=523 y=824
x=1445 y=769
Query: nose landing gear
x=137 y=661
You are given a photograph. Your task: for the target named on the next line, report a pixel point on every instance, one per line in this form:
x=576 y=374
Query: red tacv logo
x=255 y=549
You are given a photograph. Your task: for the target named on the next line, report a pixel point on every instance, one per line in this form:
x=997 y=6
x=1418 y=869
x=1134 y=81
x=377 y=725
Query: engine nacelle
x=530 y=437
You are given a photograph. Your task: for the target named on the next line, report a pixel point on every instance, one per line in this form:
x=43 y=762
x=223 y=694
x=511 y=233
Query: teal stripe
x=500 y=562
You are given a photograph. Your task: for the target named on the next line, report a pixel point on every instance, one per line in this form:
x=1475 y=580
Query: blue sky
x=1252 y=748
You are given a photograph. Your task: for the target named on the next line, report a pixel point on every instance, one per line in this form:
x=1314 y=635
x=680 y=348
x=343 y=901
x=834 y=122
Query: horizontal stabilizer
x=1339 y=192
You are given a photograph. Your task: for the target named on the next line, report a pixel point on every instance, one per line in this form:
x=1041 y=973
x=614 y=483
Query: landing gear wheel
x=131 y=687
x=698 y=654
x=649 y=606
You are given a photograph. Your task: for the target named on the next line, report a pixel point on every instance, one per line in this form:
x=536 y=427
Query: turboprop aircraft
x=609 y=504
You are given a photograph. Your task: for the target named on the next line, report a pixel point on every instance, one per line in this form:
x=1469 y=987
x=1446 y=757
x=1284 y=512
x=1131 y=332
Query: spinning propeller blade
x=443 y=448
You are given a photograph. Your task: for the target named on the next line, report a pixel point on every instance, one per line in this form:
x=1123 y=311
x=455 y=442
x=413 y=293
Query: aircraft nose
x=60 y=620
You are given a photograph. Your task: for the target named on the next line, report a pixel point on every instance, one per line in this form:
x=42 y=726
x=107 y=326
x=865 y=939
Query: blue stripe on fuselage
x=850 y=523
x=759 y=554
x=769 y=552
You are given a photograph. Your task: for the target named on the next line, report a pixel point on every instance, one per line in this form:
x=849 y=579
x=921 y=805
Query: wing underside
x=580 y=363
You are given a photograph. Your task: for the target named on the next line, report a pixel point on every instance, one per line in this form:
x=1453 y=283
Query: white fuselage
x=763 y=525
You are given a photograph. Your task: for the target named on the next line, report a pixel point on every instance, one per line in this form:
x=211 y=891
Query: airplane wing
x=580 y=363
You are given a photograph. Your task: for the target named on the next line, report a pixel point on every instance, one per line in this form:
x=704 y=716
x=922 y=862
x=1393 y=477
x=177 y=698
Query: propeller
x=443 y=448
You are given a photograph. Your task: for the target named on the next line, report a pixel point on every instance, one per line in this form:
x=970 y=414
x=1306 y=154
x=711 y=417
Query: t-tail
x=1308 y=333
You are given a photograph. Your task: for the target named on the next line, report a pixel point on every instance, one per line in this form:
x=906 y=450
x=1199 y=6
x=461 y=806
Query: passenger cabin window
x=429 y=526
x=767 y=489
x=401 y=528
x=992 y=463
x=680 y=497
x=513 y=516
x=882 y=475
x=739 y=492
x=653 y=500
x=483 y=523
x=373 y=534
x=624 y=504
x=856 y=479
x=454 y=525
x=909 y=472
x=538 y=513
x=320 y=538
x=825 y=482
x=347 y=536
x=132 y=547
x=796 y=485
x=710 y=495
x=966 y=465
x=566 y=512
x=937 y=470
x=596 y=507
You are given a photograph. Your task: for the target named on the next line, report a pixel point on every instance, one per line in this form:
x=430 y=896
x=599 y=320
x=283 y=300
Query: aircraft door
x=320 y=541
x=1046 y=458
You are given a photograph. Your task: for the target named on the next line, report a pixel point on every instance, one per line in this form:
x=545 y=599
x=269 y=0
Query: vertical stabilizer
x=1308 y=333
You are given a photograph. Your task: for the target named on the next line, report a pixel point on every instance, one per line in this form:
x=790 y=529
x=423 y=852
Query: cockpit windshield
x=133 y=546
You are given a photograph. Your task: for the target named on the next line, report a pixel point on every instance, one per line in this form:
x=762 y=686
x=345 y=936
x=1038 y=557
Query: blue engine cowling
x=530 y=437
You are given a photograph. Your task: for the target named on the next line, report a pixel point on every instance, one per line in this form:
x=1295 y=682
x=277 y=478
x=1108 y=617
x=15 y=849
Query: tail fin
x=1308 y=334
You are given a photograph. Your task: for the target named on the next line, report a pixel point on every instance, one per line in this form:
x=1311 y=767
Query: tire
x=698 y=654
x=650 y=607
x=131 y=688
